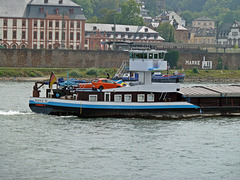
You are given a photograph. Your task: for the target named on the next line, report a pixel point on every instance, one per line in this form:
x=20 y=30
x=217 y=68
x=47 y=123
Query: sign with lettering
x=196 y=63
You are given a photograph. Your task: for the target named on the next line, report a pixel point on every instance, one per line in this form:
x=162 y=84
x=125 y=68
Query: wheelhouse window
x=118 y=98
x=141 y=98
x=150 y=97
x=127 y=98
x=92 y=97
x=150 y=55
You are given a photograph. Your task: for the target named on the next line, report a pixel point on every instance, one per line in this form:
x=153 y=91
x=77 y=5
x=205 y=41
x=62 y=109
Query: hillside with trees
x=222 y=11
x=104 y=11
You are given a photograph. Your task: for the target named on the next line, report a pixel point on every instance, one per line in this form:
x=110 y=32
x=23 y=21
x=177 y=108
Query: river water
x=34 y=146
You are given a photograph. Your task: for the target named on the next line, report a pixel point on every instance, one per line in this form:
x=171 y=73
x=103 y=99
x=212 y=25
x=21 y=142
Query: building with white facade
x=38 y=24
x=229 y=35
x=171 y=17
x=99 y=34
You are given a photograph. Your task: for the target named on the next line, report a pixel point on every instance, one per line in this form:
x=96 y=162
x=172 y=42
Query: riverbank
x=42 y=74
x=189 y=80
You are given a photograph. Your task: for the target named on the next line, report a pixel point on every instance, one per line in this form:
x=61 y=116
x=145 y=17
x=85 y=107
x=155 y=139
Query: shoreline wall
x=106 y=59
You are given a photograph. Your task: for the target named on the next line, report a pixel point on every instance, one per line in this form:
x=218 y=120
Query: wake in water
x=9 y=113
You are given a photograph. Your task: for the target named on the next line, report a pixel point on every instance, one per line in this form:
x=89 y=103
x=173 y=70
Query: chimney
x=60 y=1
x=45 y=1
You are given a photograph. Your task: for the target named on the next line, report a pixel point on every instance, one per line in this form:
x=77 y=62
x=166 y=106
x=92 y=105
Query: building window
x=50 y=47
x=127 y=98
x=127 y=28
x=141 y=98
x=56 y=35
x=23 y=47
x=35 y=35
x=41 y=9
x=14 y=22
x=14 y=46
x=57 y=11
x=71 y=11
x=23 y=23
x=50 y=24
x=78 y=47
x=71 y=47
x=41 y=46
x=42 y=23
x=50 y=35
x=78 y=36
x=5 y=34
x=72 y=24
x=5 y=22
x=23 y=35
x=42 y=35
x=35 y=24
x=234 y=33
x=63 y=36
x=150 y=97
x=86 y=41
x=78 y=24
x=71 y=36
x=14 y=34
x=118 y=98
x=92 y=97
x=57 y=24
x=34 y=46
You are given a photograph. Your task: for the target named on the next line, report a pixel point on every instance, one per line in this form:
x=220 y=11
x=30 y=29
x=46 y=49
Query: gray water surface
x=34 y=146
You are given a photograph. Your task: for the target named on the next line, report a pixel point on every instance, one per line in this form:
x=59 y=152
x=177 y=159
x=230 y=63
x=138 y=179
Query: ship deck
x=211 y=91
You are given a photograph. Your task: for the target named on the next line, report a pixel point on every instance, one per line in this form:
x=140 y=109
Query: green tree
x=107 y=16
x=167 y=31
x=102 y=4
x=87 y=7
x=151 y=6
x=130 y=14
x=188 y=17
x=172 y=58
x=94 y=19
x=220 y=63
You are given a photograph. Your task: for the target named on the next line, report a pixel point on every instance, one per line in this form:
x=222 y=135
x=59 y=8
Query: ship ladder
x=120 y=70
